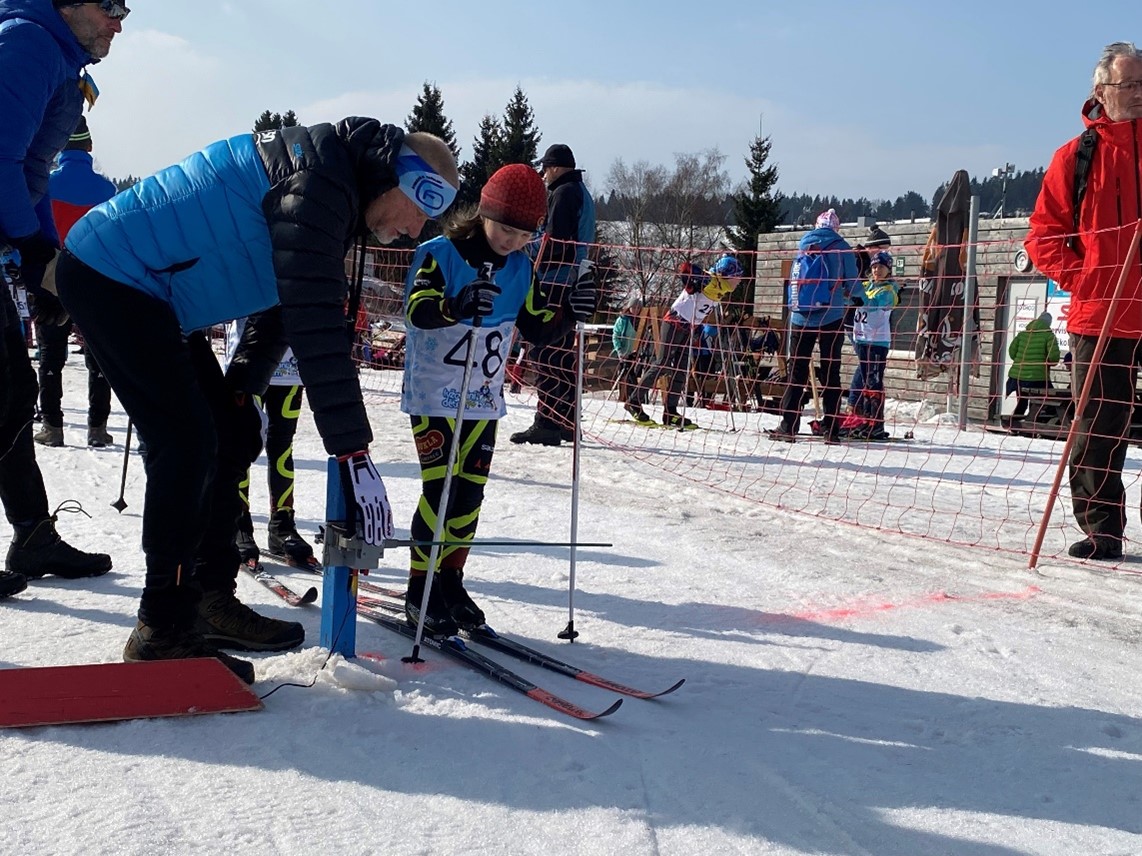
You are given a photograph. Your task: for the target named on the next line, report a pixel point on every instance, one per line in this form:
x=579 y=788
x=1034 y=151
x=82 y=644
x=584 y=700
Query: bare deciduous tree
x=662 y=210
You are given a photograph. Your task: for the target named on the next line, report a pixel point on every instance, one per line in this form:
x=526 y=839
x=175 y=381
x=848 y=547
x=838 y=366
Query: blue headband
x=420 y=183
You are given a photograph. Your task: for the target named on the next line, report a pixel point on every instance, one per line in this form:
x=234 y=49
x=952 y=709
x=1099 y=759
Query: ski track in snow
x=849 y=691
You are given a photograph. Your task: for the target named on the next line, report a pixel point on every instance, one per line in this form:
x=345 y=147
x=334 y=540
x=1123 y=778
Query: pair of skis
x=387 y=609
x=390 y=614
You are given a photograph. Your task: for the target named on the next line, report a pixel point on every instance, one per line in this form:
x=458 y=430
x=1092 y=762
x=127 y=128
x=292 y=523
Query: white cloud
x=186 y=99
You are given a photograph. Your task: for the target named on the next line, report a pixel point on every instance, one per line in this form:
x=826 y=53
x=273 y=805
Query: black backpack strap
x=1084 y=158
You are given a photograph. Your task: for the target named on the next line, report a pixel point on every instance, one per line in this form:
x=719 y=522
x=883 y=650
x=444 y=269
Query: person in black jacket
x=567 y=237
x=247 y=224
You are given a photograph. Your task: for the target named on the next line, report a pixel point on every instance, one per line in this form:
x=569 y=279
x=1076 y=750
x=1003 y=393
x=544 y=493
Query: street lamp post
x=1004 y=172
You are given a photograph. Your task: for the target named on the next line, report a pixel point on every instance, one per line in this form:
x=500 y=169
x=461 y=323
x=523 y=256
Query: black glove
x=46 y=309
x=474 y=300
x=858 y=300
x=584 y=296
x=36 y=250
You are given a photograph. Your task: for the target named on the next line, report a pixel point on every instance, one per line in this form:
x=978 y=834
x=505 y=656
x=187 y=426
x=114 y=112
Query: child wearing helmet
x=872 y=336
x=701 y=292
x=476 y=270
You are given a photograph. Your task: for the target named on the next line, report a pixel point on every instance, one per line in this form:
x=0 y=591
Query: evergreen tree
x=756 y=209
x=487 y=157
x=520 y=136
x=428 y=116
x=274 y=121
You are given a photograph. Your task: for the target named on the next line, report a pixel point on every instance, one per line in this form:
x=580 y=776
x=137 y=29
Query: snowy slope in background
x=847 y=691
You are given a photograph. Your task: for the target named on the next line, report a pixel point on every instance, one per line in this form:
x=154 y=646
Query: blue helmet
x=728 y=267
x=883 y=258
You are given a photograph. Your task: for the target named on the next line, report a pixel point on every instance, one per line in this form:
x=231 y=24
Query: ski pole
x=121 y=503
x=569 y=632
x=446 y=488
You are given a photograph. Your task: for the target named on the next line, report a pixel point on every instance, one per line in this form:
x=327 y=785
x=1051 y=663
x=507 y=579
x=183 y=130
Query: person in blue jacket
x=75 y=188
x=44 y=47
x=255 y=224
x=819 y=324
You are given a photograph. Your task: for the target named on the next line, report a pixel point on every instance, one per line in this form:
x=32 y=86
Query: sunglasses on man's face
x=114 y=9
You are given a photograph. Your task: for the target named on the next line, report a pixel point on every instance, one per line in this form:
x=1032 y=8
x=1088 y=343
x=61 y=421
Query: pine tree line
x=690 y=196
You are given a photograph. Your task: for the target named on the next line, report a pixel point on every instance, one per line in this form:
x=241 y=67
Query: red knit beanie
x=516 y=197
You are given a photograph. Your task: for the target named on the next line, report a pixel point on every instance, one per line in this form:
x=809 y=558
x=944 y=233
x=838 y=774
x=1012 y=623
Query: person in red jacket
x=1088 y=265
x=75 y=188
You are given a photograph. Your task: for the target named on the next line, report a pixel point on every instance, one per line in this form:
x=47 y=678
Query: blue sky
x=859 y=98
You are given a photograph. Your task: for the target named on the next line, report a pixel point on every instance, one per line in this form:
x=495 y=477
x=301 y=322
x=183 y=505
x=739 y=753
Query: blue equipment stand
x=339 y=586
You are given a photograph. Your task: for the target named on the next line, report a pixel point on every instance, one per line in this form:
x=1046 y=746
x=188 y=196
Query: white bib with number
x=434 y=359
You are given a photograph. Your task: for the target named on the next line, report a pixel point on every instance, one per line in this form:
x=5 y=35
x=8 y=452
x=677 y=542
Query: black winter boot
x=543 y=432
x=49 y=435
x=674 y=419
x=285 y=540
x=461 y=607
x=244 y=540
x=148 y=643
x=97 y=436
x=438 y=620
x=38 y=550
x=11 y=584
x=226 y=622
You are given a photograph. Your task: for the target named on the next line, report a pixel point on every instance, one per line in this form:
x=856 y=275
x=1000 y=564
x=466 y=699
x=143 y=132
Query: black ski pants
x=282 y=405
x=555 y=372
x=433 y=437
x=52 y=340
x=21 y=482
x=828 y=338
x=1099 y=451
x=677 y=340
x=198 y=435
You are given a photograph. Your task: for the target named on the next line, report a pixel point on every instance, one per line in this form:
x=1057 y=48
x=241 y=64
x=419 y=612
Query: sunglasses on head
x=114 y=9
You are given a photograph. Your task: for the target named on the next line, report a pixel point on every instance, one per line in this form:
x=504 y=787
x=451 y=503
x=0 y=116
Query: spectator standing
x=1082 y=249
x=1033 y=352
x=247 y=224
x=567 y=237
x=819 y=323
x=75 y=188
x=43 y=47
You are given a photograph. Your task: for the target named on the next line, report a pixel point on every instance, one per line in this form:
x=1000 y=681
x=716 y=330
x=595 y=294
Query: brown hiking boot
x=148 y=643
x=226 y=622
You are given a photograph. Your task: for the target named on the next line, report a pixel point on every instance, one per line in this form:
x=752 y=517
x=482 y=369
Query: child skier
x=701 y=292
x=475 y=270
x=872 y=336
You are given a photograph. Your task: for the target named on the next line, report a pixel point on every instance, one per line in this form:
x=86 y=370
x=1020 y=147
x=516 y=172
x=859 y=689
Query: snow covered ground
x=848 y=691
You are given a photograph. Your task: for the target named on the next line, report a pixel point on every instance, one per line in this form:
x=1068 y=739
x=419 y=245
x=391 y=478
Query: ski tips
x=564 y=706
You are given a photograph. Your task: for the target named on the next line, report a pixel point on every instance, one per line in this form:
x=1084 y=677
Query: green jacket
x=1033 y=352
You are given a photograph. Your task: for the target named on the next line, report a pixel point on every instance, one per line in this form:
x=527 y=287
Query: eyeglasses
x=1127 y=85
x=114 y=9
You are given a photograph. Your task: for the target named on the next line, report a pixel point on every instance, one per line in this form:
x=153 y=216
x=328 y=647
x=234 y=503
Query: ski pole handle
x=486 y=275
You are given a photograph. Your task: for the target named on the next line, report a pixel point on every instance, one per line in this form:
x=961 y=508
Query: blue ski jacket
x=40 y=101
